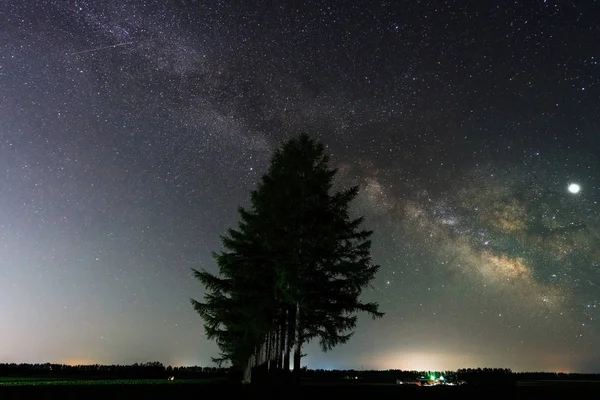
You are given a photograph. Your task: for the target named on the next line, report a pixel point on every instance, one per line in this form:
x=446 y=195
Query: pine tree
x=294 y=269
x=239 y=309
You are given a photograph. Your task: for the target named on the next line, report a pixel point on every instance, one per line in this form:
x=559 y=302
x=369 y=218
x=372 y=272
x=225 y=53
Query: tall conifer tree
x=294 y=269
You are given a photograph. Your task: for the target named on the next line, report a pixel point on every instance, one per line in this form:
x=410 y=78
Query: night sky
x=130 y=132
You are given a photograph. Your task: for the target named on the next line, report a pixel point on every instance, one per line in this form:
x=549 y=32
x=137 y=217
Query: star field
x=130 y=132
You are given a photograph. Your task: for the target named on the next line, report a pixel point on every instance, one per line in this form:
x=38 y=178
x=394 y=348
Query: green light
x=432 y=377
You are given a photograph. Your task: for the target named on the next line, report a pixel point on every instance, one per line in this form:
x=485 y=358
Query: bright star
x=574 y=188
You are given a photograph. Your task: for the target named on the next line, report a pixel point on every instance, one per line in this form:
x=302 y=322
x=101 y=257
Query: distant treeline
x=374 y=376
x=474 y=376
x=542 y=376
x=96 y=371
x=487 y=374
x=157 y=370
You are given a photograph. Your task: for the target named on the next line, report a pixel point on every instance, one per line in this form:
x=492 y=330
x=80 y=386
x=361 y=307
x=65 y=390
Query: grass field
x=19 y=381
x=182 y=388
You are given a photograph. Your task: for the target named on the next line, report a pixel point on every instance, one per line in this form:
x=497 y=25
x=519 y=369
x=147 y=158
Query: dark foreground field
x=184 y=389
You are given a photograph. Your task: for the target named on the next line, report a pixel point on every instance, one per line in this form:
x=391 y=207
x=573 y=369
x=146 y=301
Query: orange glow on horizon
x=74 y=362
x=427 y=361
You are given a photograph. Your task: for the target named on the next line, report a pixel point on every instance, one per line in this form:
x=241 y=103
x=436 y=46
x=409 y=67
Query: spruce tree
x=294 y=269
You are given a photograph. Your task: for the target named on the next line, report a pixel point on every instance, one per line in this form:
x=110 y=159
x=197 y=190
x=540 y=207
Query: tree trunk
x=291 y=331
x=265 y=357
x=286 y=359
x=248 y=370
x=297 y=357
x=298 y=343
x=282 y=330
x=273 y=364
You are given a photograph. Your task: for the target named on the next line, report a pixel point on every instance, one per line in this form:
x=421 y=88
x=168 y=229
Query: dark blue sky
x=131 y=131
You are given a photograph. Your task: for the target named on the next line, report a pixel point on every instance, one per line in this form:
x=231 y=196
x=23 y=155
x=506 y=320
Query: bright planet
x=574 y=188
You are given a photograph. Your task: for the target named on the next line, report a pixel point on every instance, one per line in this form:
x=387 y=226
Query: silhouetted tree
x=239 y=306
x=293 y=270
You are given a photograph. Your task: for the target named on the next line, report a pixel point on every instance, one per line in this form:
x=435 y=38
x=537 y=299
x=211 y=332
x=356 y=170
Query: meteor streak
x=102 y=48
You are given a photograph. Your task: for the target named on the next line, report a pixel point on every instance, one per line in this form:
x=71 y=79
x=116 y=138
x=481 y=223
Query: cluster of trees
x=374 y=376
x=554 y=376
x=292 y=271
x=487 y=376
x=97 y=371
x=472 y=376
x=501 y=371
